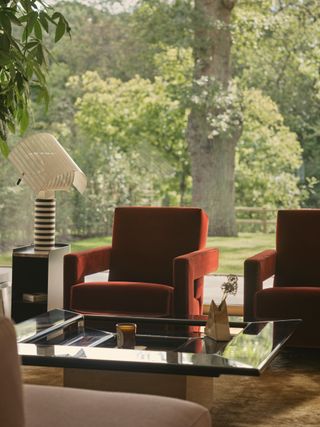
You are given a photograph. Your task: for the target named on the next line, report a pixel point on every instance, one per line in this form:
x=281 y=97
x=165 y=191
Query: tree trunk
x=213 y=155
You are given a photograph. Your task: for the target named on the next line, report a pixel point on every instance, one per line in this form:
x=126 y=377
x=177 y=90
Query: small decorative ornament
x=217 y=326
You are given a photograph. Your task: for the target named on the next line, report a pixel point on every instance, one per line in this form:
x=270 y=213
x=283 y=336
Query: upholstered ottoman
x=67 y=407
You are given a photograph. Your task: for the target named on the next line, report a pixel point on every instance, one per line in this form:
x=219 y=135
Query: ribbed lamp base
x=44 y=224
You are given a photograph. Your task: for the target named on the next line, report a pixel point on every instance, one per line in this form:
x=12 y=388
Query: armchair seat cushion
x=123 y=297
x=292 y=302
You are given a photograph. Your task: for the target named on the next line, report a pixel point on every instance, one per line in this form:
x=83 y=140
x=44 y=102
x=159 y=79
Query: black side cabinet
x=34 y=272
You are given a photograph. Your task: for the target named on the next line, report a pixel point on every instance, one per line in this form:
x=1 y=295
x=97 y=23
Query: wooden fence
x=262 y=216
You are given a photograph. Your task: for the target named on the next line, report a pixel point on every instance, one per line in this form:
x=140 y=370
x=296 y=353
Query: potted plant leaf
x=24 y=60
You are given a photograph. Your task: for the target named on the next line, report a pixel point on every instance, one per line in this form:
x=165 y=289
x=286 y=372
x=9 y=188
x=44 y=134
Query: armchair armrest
x=186 y=270
x=77 y=265
x=256 y=269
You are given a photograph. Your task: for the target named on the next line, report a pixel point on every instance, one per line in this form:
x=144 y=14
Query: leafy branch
x=230 y=287
x=24 y=60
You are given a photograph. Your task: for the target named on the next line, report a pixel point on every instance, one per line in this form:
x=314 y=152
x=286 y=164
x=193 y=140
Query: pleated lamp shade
x=45 y=166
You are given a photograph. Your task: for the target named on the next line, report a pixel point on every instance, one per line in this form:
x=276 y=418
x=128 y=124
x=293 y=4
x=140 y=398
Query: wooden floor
x=286 y=395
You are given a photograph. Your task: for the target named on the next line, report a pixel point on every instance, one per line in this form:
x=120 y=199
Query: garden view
x=167 y=103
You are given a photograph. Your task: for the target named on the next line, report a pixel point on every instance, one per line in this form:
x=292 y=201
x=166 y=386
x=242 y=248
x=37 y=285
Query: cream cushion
x=68 y=407
x=11 y=403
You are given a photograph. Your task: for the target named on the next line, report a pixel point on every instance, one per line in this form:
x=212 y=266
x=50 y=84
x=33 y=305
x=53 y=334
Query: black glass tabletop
x=67 y=339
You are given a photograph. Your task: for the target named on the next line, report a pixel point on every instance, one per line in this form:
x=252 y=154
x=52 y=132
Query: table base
x=192 y=388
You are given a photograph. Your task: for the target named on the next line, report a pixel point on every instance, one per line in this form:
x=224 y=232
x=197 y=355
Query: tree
x=268 y=157
x=126 y=117
x=16 y=227
x=138 y=117
x=23 y=59
x=174 y=67
x=214 y=125
x=108 y=44
x=114 y=126
x=276 y=50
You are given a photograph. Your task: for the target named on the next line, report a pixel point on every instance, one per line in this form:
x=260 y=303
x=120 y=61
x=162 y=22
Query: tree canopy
x=268 y=157
x=122 y=90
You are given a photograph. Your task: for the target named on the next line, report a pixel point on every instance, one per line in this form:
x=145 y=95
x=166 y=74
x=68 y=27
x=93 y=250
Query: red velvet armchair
x=295 y=265
x=156 y=265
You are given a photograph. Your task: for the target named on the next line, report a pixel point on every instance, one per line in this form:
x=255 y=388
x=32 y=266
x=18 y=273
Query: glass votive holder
x=126 y=335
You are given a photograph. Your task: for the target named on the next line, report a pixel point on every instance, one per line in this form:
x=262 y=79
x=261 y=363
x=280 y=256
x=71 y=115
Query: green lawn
x=5 y=259
x=233 y=250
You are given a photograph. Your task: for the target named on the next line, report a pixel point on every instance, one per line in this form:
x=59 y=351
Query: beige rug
x=287 y=394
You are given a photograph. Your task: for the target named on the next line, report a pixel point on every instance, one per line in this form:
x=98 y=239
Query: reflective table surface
x=64 y=339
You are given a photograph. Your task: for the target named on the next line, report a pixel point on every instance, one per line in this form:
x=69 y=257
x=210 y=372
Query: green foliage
x=175 y=66
x=137 y=116
x=15 y=226
x=170 y=23
x=268 y=157
x=222 y=106
x=128 y=134
x=23 y=59
x=102 y=42
x=114 y=178
x=276 y=50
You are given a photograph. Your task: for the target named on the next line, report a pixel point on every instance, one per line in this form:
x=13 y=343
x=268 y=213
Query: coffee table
x=170 y=358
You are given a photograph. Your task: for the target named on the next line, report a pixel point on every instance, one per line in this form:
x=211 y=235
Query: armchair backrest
x=298 y=248
x=146 y=239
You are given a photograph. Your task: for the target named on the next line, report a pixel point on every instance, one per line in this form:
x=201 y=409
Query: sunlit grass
x=233 y=250
x=94 y=242
x=5 y=259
